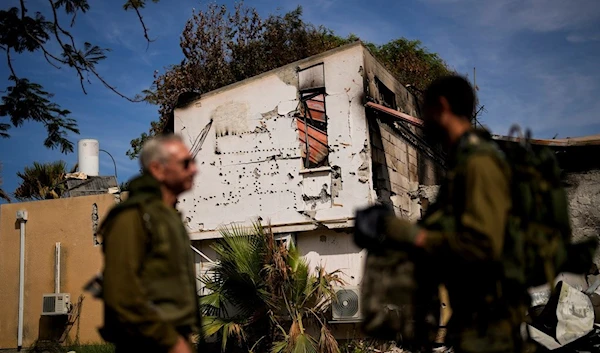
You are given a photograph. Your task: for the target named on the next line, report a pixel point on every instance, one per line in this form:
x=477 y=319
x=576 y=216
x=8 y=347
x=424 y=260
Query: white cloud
x=516 y=15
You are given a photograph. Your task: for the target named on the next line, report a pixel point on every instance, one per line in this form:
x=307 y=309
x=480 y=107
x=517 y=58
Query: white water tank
x=87 y=156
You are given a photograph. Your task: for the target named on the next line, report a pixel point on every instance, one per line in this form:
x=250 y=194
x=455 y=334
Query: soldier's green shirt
x=149 y=278
x=465 y=229
x=486 y=203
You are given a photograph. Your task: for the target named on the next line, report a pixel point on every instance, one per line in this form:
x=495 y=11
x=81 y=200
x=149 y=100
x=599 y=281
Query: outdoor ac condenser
x=56 y=304
x=346 y=306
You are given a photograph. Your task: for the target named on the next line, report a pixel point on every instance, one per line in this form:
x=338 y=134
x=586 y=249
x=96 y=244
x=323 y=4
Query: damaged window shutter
x=312 y=120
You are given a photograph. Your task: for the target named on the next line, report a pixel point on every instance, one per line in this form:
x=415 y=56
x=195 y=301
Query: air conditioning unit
x=56 y=304
x=346 y=304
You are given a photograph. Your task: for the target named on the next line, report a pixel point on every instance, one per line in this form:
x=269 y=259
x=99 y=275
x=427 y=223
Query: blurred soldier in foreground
x=463 y=232
x=150 y=299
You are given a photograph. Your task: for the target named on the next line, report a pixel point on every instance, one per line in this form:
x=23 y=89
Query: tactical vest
x=167 y=274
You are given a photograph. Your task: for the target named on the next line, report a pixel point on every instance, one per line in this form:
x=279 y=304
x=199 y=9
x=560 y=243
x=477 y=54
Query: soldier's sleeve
x=480 y=234
x=123 y=293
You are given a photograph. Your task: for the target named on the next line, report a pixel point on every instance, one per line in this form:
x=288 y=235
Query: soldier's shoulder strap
x=481 y=143
x=134 y=202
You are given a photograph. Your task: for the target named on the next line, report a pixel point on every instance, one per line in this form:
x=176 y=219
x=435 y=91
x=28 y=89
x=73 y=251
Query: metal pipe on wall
x=22 y=219
x=57 y=270
x=201 y=254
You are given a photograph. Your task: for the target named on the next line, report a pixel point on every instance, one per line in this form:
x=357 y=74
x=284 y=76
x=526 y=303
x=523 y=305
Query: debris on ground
x=567 y=320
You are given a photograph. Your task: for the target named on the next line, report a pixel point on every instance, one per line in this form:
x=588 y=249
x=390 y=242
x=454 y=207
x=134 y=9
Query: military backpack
x=537 y=244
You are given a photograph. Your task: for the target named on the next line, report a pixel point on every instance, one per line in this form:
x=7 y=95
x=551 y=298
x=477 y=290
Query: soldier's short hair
x=153 y=150
x=458 y=92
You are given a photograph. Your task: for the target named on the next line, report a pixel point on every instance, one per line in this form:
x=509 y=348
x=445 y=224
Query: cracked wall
x=251 y=164
x=395 y=170
x=584 y=197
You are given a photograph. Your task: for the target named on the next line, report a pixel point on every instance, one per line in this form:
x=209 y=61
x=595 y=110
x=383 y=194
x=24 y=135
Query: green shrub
x=93 y=348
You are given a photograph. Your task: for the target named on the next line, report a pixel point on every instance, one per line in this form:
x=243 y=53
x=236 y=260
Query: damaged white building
x=301 y=148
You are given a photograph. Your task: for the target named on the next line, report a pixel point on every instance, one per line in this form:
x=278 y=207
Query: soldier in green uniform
x=149 y=281
x=463 y=231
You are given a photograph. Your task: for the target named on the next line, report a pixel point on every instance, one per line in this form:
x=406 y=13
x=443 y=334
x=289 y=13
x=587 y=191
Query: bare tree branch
x=72 y=61
x=107 y=85
x=47 y=56
x=136 y=5
x=75 y=62
x=68 y=34
x=8 y=59
x=148 y=40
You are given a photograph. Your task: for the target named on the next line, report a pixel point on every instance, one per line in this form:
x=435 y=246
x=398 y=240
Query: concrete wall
x=399 y=167
x=395 y=170
x=70 y=222
x=584 y=201
x=251 y=165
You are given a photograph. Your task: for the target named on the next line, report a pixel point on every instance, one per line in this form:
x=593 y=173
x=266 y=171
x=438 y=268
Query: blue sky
x=537 y=64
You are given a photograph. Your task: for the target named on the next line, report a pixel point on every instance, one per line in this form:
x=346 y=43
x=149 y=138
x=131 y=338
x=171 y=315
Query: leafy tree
x=263 y=296
x=410 y=62
x=42 y=181
x=26 y=29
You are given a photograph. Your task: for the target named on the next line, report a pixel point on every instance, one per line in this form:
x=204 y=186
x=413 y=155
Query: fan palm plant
x=237 y=303
x=263 y=296
x=42 y=181
x=3 y=194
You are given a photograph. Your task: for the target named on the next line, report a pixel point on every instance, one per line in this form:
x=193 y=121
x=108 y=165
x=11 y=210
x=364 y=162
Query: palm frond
x=255 y=345
x=327 y=343
x=4 y=195
x=279 y=346
x=225 y=328
x=214 y=304
x=304 y=343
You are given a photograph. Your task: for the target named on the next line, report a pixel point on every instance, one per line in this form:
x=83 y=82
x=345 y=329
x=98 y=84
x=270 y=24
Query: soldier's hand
x=402 y=232
x=182 y=346
x=369 y=226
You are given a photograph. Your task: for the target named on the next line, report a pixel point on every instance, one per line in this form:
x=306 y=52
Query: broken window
x=312 y=117
x=386 y=96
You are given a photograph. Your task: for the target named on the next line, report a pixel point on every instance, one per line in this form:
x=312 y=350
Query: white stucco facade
x=251 y=165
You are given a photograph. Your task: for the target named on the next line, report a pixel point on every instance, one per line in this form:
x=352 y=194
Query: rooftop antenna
x=481 y=108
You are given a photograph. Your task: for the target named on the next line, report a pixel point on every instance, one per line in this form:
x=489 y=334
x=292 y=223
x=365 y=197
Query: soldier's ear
x=157 y=170
x=445 y=106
